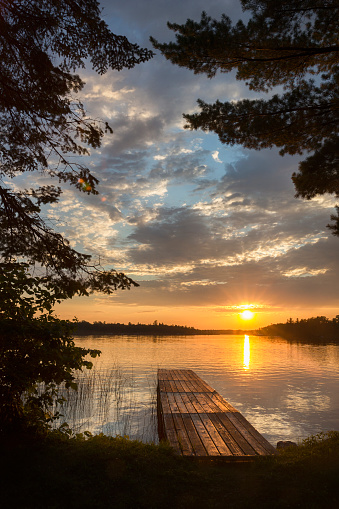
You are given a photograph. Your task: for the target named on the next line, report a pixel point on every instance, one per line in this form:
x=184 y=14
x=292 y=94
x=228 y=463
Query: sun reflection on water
x=247 y=352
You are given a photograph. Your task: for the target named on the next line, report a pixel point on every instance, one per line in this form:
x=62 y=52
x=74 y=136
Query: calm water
x=287 y=391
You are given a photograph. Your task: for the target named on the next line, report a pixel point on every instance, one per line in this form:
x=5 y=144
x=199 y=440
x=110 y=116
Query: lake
x=288 y=391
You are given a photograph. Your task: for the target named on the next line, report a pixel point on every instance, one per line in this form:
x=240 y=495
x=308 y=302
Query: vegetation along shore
x=102 y=472
x=156 y=329
x=319 y=329
x=316 y=329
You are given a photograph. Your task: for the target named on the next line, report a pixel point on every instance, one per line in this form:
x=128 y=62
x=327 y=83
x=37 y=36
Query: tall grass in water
x=106 y=401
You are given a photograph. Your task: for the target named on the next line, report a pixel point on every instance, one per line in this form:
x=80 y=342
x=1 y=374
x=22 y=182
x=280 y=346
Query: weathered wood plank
x=229 y=440
x=203 y=385
x=185 y=386
x=190 y=408
x=196 y=442
x=221 y=402
x=170 y=433
x=180 y=403
x=236 y=435
x=179 y=386
x=183 y=438
x=214 y=434
x=184 y=374
x=203 y=402
x=197 y=421
x=198 y=408
x=243 y=426
x=166 y=409
x=267 y=446
x=204 y=435
x=172 y=384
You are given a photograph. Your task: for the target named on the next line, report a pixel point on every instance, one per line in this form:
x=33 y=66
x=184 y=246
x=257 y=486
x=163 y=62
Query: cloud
x=200 y=224
x=215 y=155
x=138 y=20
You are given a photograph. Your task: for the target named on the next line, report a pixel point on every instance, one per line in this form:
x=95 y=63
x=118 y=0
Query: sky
x=206 y=229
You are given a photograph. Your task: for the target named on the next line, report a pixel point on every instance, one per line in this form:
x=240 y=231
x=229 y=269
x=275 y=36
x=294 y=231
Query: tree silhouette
x=285 y=44
x=43 y=126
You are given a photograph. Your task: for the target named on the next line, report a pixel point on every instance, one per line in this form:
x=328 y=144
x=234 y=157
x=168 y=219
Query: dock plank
x=181 y=403
x=190 y=408
x=171 y=433
x=183 y=437
x=197 y=445
x=199 y=422
x=204 y=435
x=215 y=435
x=233 y=447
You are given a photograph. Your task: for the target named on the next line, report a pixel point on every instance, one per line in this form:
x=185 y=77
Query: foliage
x=317 y=329
x=35 y=348
x=60 y=472
x=293 y=46
x=319 y=445
x=45 y=129
x=155 y=329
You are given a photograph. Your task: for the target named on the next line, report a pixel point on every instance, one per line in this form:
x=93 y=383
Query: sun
x=247 y=314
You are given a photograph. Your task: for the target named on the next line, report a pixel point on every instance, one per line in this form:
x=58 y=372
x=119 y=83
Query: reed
x=106 y=401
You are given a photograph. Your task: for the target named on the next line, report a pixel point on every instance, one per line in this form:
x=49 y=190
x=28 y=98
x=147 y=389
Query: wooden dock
x=197 y=421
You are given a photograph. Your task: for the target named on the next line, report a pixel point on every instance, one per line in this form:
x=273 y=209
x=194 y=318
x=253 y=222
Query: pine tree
x=286 y=44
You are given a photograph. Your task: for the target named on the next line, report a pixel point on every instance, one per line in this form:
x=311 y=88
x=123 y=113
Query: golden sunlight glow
x=246 y=352
x=247 y=314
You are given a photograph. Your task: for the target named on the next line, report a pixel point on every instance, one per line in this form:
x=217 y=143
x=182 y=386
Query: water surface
x=287 y=391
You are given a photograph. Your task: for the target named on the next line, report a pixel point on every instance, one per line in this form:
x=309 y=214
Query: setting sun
x=247 y=314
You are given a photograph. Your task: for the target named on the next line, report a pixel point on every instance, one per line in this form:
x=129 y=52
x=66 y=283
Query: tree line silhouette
x=155 y=329
x=317 y=329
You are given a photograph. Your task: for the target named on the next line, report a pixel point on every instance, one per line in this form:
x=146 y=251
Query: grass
x=106 y=472
x=106 y=401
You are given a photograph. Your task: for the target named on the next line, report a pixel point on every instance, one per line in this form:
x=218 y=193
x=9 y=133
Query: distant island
x=316 y=330
x=84 y=328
